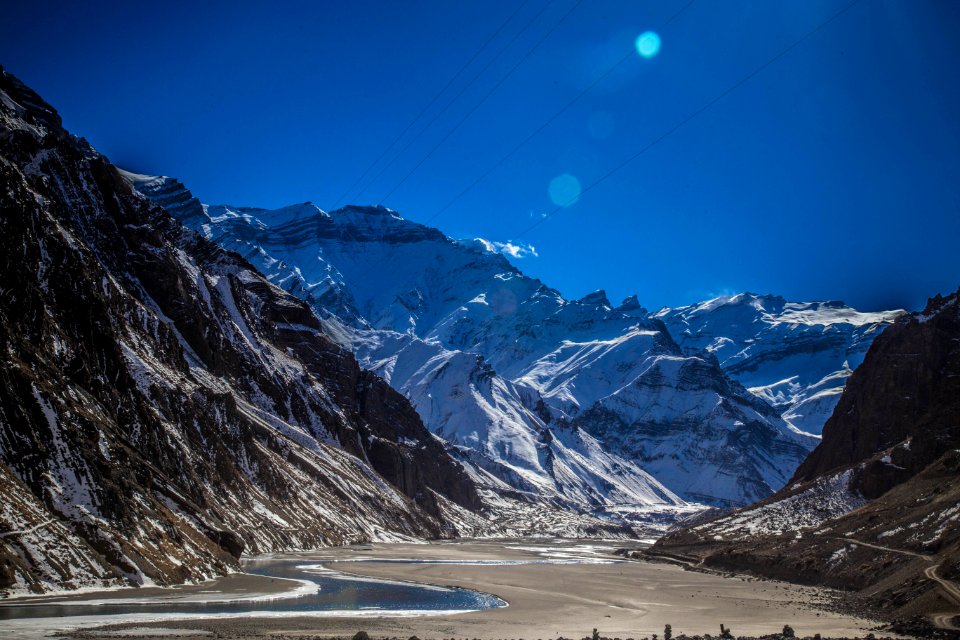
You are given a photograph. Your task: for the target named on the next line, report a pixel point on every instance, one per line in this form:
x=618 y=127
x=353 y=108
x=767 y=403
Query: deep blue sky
x=833 y=174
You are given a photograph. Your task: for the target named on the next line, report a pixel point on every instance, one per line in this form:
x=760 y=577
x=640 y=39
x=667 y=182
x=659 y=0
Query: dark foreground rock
x=163 y=407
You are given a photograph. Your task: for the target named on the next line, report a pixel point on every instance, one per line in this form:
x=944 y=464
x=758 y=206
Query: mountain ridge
x=559 y=357
x=165 y=408
x=795 y=355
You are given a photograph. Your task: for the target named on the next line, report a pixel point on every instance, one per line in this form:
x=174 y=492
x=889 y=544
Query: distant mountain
x=578 y=403
x=876 y=506
x=795 y=355
x=163 y=406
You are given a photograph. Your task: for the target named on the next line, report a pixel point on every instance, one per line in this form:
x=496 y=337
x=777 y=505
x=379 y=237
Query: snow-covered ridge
x=525 y=386
x=795 y=355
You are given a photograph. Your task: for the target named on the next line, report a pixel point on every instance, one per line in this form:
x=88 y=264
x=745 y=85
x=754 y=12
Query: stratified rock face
x=576 y=403
x=875 y=506
x=163 y=407
x=795 y=355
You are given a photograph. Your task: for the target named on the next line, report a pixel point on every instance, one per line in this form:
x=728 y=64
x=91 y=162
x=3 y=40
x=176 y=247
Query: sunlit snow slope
x=575 y=402
x=795 y=355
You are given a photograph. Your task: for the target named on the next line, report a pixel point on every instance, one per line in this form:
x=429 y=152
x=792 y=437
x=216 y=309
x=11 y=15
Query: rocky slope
x=876 y=507
x=578 y=403
x=795 y=355
x=164 y=407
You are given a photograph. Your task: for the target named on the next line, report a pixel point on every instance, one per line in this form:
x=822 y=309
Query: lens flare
x=648 y=44
x=564 y=190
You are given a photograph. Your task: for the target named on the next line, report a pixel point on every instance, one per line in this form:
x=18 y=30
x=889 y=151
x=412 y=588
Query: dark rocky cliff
x=162 y=406
x=907 y=390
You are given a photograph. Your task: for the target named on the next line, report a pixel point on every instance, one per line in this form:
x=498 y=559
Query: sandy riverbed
x=628 y=599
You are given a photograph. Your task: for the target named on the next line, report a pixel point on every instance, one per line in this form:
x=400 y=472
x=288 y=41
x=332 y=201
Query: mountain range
x=600 y=408
x=184 y=383
x=795 y=355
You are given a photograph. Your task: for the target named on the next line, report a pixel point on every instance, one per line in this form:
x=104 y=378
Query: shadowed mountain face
x=164 y=407
x=906 y=399
x=876 y=506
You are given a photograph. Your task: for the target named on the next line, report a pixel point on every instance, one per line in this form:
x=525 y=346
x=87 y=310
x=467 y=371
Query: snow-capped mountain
x=575 y=402
x=795 y=355
x=163 y=406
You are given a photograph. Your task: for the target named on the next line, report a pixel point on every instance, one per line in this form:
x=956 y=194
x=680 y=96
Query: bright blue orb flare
x=564 y=190
x=648 y=44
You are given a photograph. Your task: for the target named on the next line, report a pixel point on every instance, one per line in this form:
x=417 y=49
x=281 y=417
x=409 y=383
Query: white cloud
x=516 y=250
x=508 y=248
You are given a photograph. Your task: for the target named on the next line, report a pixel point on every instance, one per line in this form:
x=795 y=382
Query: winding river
x=322 y=590
x=569 y=587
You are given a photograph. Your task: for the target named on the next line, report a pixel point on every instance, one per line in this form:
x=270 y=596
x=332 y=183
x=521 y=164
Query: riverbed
x=476 y=589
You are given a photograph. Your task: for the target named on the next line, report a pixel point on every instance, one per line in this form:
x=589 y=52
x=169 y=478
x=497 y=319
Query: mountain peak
x=597 y=298
x=370 y=210
x=937 y=304
x=630 y=303
x=759 y=301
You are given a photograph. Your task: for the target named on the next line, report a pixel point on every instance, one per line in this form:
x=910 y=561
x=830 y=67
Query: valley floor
x=628 y=599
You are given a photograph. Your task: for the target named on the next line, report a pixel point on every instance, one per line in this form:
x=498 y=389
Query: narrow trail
x=940 y=620
x=30 y=530
x=890 y=549
x=945 y=621
x=686 y=562
x=948 y=586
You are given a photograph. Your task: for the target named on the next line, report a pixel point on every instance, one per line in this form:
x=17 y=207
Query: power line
x=432 y=101
x=683 y=122
x=693 y=115
x=453 y=100
x=483 y=99
x=629 y=56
